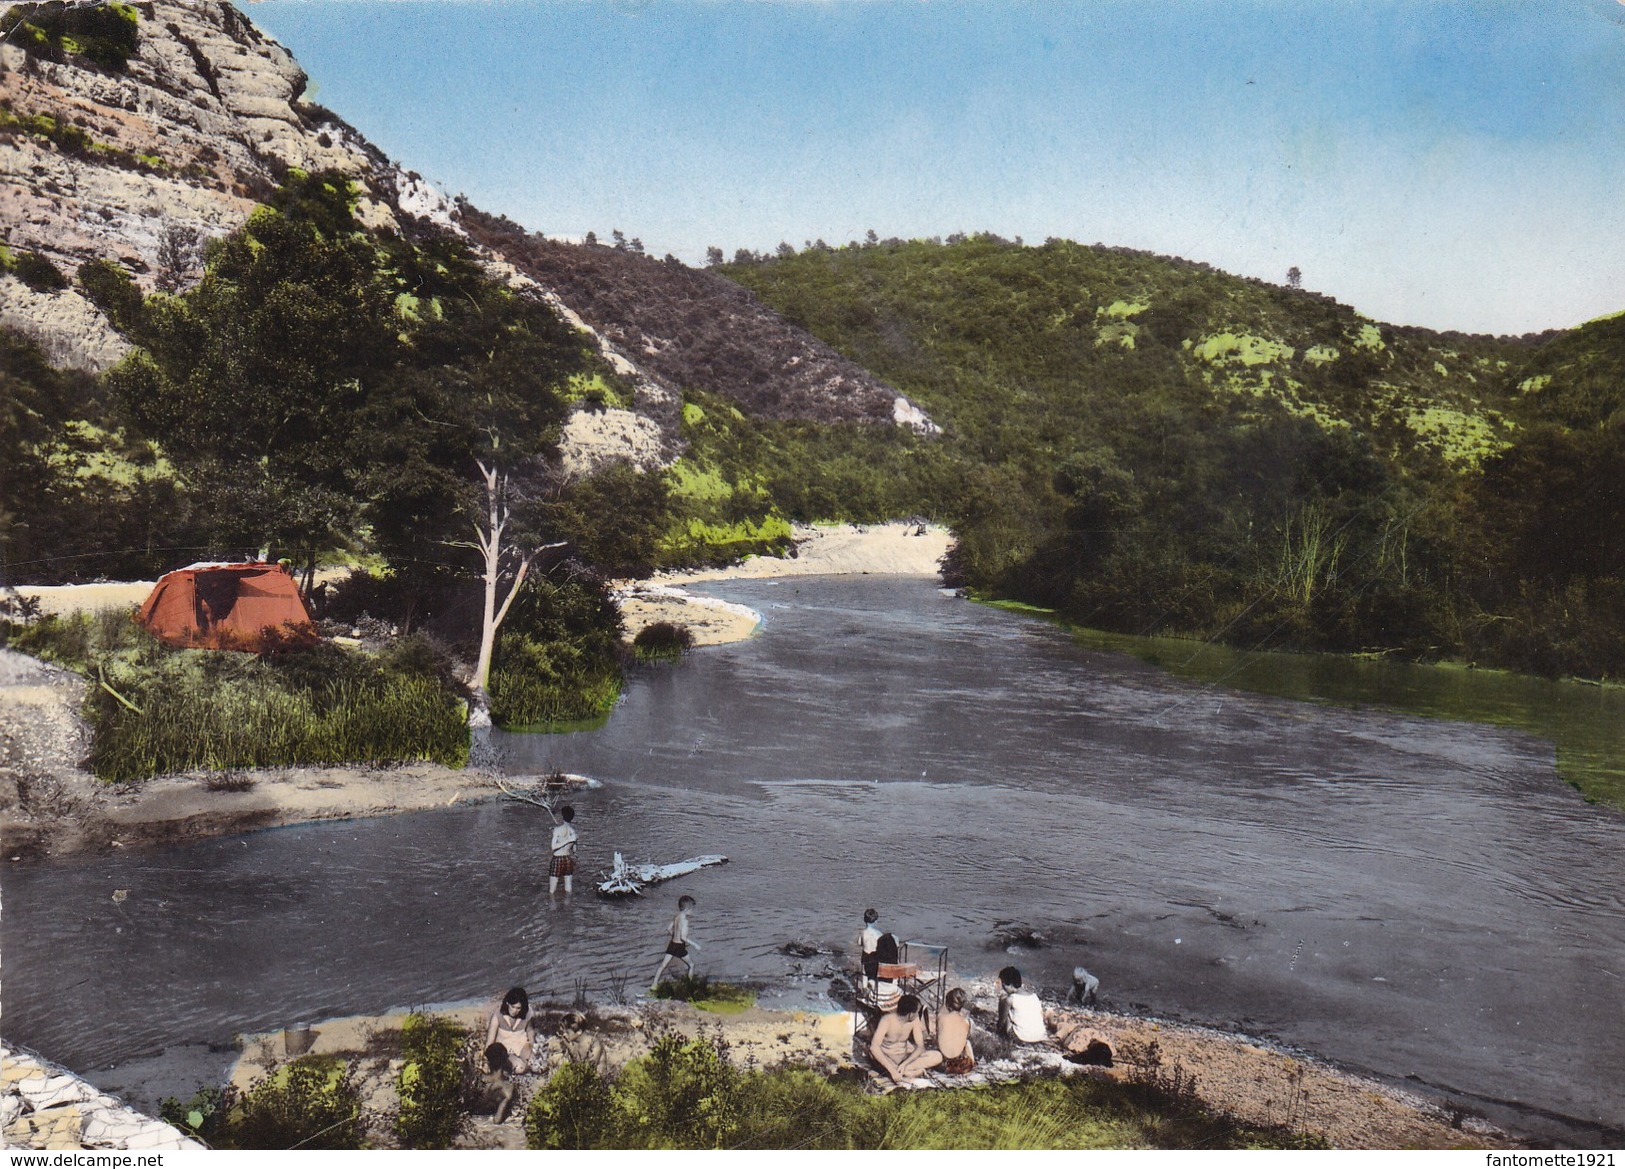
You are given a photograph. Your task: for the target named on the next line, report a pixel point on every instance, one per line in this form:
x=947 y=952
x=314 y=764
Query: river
x=1408 y=896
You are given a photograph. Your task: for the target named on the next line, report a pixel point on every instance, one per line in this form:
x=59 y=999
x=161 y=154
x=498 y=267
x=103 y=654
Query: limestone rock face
x=144 y=166
x=190 y=137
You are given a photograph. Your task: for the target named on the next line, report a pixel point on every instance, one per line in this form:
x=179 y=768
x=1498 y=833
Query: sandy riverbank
x=1255 y=1083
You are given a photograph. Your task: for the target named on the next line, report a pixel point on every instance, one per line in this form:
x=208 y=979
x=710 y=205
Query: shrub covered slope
x=1153 y=446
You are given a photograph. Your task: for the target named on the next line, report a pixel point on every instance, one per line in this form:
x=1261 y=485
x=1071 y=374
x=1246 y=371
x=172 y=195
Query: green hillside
x=1153 y=446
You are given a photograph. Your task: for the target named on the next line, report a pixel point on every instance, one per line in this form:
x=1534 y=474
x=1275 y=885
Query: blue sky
x=1450 y=164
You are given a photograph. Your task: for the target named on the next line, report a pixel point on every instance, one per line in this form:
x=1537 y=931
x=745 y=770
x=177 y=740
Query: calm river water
x=1407 y=896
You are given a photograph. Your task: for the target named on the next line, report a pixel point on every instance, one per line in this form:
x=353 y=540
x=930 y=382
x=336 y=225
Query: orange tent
x=248 y=606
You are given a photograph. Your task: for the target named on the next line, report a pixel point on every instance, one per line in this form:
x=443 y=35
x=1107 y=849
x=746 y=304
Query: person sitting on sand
x=496 y=1083
x=563 y=862
x=899 y=1044
x=579 y=1045
x=1021 y=1015
x=680 y=941
x=953 y=1035
x=510 y=1027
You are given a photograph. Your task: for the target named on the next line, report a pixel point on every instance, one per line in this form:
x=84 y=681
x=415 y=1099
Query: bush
x=203 y=1116
x=557 y=655
x=684 y=1094
x=431 y=1112
x=575 y=1110
x=663 y=640
x=106 y=35
x=533 y=688
x=109 y=287
x=38 y=272
x=311 y=1103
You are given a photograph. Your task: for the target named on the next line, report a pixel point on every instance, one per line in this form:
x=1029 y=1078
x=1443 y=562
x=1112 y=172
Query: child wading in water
x=680 y=941
x=563 y=862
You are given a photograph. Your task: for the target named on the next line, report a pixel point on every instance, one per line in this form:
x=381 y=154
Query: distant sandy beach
x=892 y=549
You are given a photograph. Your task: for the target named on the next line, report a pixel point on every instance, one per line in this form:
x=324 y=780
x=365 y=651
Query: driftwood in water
x=627 y=880
x=546 y=792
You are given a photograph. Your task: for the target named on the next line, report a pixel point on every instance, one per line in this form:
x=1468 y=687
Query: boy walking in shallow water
x=680 y=941
x=563 y=861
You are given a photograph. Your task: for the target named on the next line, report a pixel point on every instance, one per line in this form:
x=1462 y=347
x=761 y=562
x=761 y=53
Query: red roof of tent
x=249 y=606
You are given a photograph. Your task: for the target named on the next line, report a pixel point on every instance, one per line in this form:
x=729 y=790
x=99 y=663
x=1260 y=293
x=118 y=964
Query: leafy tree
x=257 y=379
x=626 y=545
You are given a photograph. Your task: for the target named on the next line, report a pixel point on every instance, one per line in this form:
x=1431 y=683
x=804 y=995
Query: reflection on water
x=1585 y=721
x=1407 y=895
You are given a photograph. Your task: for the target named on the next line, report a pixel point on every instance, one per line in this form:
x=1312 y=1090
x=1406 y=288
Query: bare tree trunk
x=489 y=540
x=490 y=544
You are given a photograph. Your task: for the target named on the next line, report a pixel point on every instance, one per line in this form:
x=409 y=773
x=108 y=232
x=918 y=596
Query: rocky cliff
x=142 y=160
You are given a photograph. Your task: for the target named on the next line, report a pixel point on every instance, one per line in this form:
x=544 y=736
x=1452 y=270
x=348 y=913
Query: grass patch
x=719 y=998
x=685 y=1094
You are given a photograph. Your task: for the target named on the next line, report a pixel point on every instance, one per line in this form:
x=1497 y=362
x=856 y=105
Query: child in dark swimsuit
x=953 y=1035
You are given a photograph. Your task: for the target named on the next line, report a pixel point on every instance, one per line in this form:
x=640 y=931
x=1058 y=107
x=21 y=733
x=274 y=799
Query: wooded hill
x=1153 y=446
x=1144 y=443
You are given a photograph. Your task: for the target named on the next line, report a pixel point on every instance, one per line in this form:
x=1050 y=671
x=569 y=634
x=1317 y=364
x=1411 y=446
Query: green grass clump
x=720 y=998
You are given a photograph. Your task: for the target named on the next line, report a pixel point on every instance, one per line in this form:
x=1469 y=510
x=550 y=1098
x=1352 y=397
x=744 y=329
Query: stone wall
x=44 y=1106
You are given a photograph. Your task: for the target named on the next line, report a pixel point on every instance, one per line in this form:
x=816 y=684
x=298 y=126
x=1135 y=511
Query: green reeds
x=522 y=699
x=254 y=723
x=155 y=710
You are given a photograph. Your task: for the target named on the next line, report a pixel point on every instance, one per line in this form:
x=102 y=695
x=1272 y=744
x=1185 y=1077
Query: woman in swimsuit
x=510 y=1027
